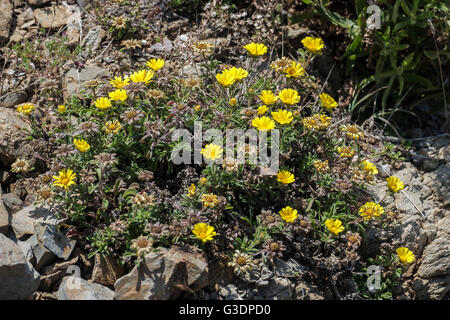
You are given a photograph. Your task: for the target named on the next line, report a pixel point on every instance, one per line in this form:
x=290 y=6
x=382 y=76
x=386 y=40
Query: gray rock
x=42 y=256
x=74 y=79
x=434 y=288
x=278 y=289
x=92 y=41
x=13 y=143
x=12 y=202
x=54 y=240
x=436 y=259
x=437 y=180
x=288 y=269
x=308 y=291
x=23 y=222
x=230 y=292
x=17 y=277
x=106 y=270
x=74 y=288
x=6 y=11
x=52 y=17
x=4 y=216
x=165 y=46
x=161 y=274
x=12 y=99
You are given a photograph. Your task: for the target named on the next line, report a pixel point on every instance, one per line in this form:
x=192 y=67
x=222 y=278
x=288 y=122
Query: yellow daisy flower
x=103 y=103
x=369 y=167
x=289 y=96
x=263 y=123
x=118 y=83
x=65 y=179
x=370 y=210
x=81 y=145
x=112 y=127
x=212 y=151
x=256 y=49
x=191 y=191
x=312 y=44
x=238 y=73
x=295 y=71
x=328 y=102
x=352 y=132
x=282 y=116
x=288 y=214
x=226 y=78
x=233 y=102
x=118 y=95
x=267 y=97
x=321 y=166
x=62 y=108
x=25 y=108
x=335 y=226
x=142 y=76
x=395 y=184
x=210 y=200
x=262 y=110
x=155 y=64
x=204 y=232
x=285 y=177
x=405 y=255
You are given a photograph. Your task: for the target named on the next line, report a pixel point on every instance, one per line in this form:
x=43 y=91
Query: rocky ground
x=38 y=261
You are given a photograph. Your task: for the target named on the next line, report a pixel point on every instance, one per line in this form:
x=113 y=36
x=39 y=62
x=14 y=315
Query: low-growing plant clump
x=113 y=183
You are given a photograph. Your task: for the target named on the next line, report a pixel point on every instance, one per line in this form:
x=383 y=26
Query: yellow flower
x=191 y=191
x=321 y=166
x=267 y=97
x=262 y=110
x=203 y=180
x=226 y=78
x=295 y=70
x=233 y=102
x=395 y=184
x=62 y=108
x=313 y=45
x=65 y=179
x=25 y=108
x=285 y=177
x=103 y=103
x=282 y=116
x=204 y=232
x=118 y=83
x=197 y=108
x=369 y=167
x=256 y=49
x=118 y=95
x=280 y=65
x=369 y=210
x=346 y=152
x=263 y=123
x=112 y=126
x=142 y=76
x=81 y=145
x=288 y=214
x=352 y=132
x=328 y=102
x=155 y=64
x=335 y=226
x=238 y=73
x=316 y=122
x=289 y=96
x=210 y=200
x=212 y=151
x=405 y=255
